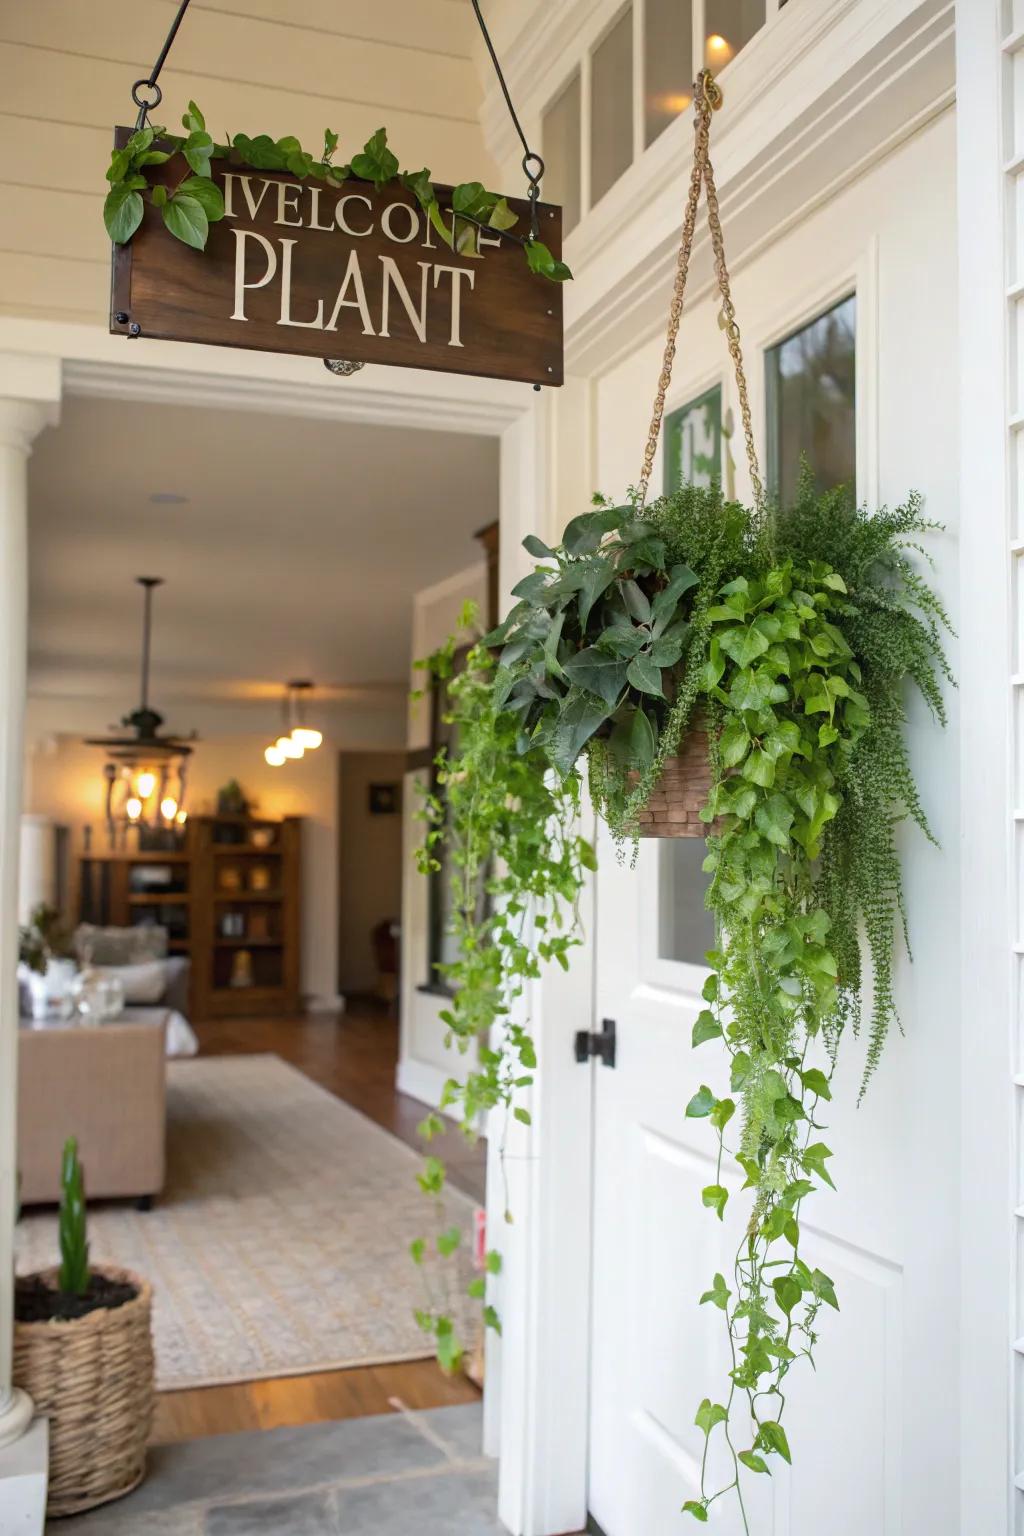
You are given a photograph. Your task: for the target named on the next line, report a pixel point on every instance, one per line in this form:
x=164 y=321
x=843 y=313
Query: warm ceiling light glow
x=306 y=737
x=133 y=808
x=672 y=102
x=719 y=48
x=289 y=748
x=145 y=784
x=169 y=808
x=181 y=818
x=274 y=756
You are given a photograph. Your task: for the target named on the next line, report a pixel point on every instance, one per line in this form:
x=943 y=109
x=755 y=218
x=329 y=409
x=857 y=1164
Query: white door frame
x=87 y=361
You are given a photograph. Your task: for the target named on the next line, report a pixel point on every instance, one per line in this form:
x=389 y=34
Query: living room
x=212 y=888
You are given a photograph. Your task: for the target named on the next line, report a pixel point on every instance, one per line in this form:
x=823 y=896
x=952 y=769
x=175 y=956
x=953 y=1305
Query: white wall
x=64 y=780
x=424 y=1063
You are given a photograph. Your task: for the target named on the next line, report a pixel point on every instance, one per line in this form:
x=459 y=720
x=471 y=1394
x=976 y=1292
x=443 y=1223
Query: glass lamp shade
x=169 y=808
x=274 y=756
x=288 y=747
x=145 y=783
x=133 y=808
x=306 y=737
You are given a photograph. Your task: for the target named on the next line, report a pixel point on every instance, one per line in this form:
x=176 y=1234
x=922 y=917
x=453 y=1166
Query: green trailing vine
x=509 y=916
x=793 y=635
x=189 y=205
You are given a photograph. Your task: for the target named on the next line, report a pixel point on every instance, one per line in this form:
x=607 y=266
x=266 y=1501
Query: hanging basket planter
x=738 y=673
x=681 y=791
x=92 y=1377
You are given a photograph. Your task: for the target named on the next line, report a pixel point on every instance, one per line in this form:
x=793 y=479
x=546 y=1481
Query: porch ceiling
x=296 y=552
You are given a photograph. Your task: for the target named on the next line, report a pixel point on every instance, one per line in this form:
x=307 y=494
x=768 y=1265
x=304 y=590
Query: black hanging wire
x=143 y=105
x=533 y=165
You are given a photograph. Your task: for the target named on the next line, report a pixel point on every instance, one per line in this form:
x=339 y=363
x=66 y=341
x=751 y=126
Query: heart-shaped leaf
x=122 y=212
x=186 y=219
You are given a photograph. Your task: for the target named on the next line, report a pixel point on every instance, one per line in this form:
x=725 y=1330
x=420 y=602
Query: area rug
x=280 y=1245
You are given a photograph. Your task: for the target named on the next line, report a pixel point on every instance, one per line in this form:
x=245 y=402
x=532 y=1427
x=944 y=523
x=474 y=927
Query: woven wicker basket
x=92 y=1377
x=681 y=792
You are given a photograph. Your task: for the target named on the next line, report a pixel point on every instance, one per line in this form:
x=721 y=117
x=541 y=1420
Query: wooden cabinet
x=230 y=900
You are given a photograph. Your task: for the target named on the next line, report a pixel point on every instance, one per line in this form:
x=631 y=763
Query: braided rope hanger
x=707 y=98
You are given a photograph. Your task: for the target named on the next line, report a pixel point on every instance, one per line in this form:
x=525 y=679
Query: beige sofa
x=105 y=1084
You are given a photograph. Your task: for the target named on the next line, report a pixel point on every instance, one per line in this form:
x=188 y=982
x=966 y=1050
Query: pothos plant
x=793 y=634
x=194 y=201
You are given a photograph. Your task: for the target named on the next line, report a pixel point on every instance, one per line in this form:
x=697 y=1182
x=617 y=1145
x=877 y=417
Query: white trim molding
x=812 y=101
x=989 y=130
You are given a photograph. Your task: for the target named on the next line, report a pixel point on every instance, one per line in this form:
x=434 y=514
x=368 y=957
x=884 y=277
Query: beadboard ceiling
x=296 y=551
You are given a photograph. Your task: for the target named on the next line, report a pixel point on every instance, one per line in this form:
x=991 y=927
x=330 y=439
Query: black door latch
x=599 y=1043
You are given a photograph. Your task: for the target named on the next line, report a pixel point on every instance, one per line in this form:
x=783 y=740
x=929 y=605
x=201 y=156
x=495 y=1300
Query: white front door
x=873 y=1431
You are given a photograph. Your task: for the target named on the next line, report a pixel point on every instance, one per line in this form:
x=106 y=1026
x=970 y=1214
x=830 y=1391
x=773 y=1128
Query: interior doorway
x=370 y=875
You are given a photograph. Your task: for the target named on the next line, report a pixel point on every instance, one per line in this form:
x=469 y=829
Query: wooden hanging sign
x=352 y=272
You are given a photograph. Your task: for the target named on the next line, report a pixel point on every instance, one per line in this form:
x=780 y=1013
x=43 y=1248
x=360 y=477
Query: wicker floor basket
x=92 y=1377
x=681 y=792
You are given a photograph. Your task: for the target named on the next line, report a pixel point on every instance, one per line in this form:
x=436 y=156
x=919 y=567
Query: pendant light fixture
x=298 y=737
x=145 y=772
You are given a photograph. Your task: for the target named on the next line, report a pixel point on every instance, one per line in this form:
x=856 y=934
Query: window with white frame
x=561 y=139
x=811 y=403
x=635 y=77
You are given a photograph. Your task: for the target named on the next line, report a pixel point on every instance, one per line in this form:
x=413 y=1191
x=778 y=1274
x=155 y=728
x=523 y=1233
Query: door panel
x=655 y=1352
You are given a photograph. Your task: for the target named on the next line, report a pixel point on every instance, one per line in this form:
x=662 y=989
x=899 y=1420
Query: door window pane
x=728 y=26
x=668 y=63
x=686 y=929
x=611 y=107
x=693 y=442
x=811 y=403
x=561 y=149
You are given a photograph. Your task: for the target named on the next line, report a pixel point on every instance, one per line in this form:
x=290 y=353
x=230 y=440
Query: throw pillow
x=120 y=946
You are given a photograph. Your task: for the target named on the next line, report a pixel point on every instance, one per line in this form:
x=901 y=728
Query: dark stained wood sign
x=343 y=272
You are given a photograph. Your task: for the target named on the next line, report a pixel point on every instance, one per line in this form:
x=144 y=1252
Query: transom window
x=811 y=400
x=634 y=79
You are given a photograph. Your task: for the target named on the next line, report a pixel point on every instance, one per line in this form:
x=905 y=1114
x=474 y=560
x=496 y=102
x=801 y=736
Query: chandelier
x=145 y=772
x=297 y=737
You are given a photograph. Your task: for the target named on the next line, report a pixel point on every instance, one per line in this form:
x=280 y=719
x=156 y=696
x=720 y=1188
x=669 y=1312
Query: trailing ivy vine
x=517 y=865
x=192 y=203
x=793 y=634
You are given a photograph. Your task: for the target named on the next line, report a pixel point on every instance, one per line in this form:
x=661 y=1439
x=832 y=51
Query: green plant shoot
x=74 y=1246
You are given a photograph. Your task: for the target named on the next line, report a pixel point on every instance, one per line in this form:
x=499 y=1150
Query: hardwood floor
x=365 y=1389
x=353 y=1055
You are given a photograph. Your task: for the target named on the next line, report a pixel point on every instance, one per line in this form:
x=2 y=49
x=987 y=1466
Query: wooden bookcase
x=230 y=900
x=246 y=874
x=128 y=888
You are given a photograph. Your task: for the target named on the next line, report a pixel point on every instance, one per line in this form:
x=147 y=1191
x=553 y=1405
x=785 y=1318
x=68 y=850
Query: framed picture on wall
x=385 y=799
x=693 y=442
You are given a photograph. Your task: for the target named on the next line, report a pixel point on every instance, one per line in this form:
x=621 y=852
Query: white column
x=22 y=417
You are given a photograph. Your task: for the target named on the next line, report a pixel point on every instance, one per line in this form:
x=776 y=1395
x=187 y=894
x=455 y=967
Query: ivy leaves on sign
x=195 y=202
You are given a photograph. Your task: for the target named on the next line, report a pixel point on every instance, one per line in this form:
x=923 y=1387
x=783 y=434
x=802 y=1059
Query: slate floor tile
x=442 y=1505
x=461 y=1429
x=279 y=1461
x=308 y=1514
